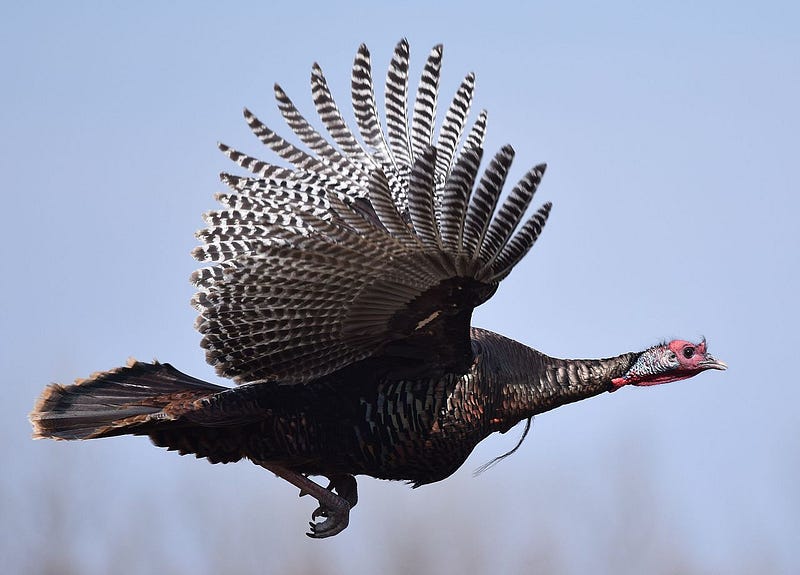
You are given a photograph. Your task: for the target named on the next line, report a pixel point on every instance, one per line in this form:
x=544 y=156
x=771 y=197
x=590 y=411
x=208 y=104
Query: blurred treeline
x=124 y=507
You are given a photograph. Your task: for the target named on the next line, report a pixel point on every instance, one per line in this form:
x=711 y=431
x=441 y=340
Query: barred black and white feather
x=360 y=250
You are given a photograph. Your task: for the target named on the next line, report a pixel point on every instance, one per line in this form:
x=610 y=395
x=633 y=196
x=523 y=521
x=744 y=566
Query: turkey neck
x=530 y=382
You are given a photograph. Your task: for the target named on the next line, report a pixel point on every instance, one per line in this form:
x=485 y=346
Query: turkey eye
x=688 y=352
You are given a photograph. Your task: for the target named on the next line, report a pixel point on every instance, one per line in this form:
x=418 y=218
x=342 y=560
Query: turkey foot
x=334 y=507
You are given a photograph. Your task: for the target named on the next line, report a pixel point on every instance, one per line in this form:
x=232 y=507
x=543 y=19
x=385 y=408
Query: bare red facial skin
x=677 y=360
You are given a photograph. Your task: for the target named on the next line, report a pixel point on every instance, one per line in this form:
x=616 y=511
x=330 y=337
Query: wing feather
x=519 y=245
x=360 y=251
x=455 y=197
x=508 y=216
x=364 y=106
x=484 y=200
x=452 y=127
x=477 y=132
x=331 y=117
x=425 y=103
x=397 y=104
x=350 y=168
x=420 y=198
x=381 y=199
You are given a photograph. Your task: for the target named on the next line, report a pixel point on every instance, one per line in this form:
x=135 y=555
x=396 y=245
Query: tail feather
x=116 y=402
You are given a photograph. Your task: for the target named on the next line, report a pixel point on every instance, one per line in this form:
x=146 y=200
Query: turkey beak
x=711 y=363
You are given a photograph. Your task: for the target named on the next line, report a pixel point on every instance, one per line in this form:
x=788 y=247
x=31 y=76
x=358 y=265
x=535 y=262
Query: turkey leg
x=334 y=507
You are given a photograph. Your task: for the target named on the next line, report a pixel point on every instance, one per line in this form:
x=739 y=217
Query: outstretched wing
x=359 y=251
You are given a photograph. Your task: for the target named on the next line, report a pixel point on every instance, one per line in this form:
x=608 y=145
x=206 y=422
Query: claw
x=333 y=524
x=335 y=501
x=337 y=517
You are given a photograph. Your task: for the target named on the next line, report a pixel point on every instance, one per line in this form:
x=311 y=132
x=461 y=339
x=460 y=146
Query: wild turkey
x=340 y=296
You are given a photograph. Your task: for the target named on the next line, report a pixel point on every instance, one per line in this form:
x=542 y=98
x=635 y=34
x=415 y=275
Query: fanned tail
x=117 y=402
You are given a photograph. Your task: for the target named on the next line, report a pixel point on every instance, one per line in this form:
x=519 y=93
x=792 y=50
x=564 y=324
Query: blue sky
x=671 y=136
